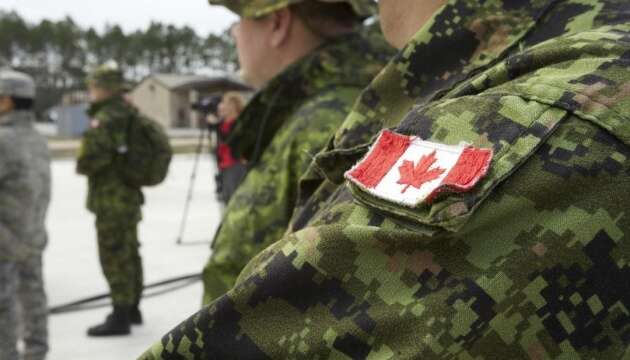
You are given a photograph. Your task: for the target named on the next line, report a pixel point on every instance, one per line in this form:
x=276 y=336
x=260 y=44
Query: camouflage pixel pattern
x=24 y=187
x=32 y=297
x=22 y=283
x=117 y=205
x=119 y=254
x=533 y=263
x=8 y=310
x=24 y=198
x=413 y=78
x=100 y=159
x=260 y=8
x=299 y=109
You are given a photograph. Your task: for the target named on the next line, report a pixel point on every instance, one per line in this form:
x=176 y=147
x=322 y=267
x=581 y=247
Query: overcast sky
x=130 y=14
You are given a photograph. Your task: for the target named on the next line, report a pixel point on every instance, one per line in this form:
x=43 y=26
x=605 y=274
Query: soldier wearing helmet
x=24 y=199
x=116 y=203
x=309 y=61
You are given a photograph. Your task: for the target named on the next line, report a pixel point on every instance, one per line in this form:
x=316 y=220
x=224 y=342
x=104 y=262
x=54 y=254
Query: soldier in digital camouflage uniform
x=288 y=121
x=532 y=262
x=116 y=204
x=24 y=199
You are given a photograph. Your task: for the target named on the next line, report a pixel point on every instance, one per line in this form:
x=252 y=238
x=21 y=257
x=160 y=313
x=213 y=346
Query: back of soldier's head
x=18 y=88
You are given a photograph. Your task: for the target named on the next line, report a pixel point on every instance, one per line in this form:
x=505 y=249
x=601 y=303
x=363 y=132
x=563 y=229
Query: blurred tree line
x=59 y=53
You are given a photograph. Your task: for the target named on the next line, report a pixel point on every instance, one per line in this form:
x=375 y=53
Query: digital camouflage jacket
x=100 y=157
x=24 y=187
x=531 y=262
x=280 y=131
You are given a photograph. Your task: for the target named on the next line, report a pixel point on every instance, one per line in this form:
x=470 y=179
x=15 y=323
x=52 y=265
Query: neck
x=301 y=45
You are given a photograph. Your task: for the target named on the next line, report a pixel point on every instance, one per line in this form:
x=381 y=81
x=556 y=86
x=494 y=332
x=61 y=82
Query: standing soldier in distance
x=24 y=199
x=527 y=258
x=115 y=203
x=310 y=62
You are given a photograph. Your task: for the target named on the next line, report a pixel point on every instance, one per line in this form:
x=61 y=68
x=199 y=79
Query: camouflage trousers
x=23 y=306
x=119 y=254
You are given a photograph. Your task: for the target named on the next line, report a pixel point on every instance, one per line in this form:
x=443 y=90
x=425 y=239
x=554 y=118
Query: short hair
x=235 y=98
x=20 y=103
x=319 y=15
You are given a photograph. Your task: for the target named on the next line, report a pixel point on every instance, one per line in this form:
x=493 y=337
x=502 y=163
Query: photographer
x=231 y=169
x=220 y=113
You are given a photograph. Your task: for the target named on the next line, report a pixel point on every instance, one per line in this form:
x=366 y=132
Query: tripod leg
x=193 y=177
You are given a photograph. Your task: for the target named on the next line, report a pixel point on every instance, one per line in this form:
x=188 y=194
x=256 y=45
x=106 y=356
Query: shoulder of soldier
x=448 y=156
x=112 y=115
x=356 y=61
x=378 y=50
x=335 y=100
x=321 y=113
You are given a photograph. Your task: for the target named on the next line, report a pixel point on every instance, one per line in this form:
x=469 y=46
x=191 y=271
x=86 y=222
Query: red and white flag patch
x=95 y=123
x=409 y=171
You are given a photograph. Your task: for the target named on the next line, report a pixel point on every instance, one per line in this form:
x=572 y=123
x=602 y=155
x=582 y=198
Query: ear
x=281 y=22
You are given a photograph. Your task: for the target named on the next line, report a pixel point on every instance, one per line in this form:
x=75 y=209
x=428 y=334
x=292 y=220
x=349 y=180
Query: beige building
x=166 y=98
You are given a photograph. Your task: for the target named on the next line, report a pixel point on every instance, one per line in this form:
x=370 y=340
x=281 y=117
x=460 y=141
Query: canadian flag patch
x=95 y=123
x=409 y=171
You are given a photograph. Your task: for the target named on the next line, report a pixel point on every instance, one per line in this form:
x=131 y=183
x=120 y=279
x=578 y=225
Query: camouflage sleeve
x=539 y=270
x=260 y=209
x=98 y=148
x=532 y=262
x=6 y=237
x=11 y=209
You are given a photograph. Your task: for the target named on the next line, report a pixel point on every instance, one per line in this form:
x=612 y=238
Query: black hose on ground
x=98 y=301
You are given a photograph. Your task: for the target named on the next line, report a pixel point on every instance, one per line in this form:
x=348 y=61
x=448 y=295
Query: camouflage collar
x=17 y=119
x=462 y=38
x=343 y=61
x=99 y=105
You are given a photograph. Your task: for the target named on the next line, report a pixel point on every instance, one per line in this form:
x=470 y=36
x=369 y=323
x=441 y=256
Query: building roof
x=199 y=82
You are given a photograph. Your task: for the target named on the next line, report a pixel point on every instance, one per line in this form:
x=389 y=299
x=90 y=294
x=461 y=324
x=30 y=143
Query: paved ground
x=72 y=268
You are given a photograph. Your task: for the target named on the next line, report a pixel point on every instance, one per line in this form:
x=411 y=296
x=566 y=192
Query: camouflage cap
x=107 y=76
x=17 y=84
x=258 y=8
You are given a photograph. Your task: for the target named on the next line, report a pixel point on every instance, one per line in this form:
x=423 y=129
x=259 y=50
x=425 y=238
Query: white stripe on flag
x=390 y=189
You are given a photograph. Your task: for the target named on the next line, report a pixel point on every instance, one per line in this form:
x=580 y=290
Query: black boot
x=135 y=316
x=117 y=323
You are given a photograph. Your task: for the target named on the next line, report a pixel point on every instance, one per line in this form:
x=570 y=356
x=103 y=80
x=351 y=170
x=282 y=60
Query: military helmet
x=107 y=76
x=16 y=84
x=258 y=8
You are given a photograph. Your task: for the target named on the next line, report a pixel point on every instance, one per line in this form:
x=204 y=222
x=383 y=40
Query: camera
x=208 y=105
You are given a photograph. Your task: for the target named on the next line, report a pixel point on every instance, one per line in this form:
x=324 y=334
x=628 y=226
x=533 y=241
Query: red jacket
x=224 y=152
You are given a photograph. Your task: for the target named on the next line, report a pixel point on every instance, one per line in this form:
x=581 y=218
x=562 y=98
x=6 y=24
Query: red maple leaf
x=420 y=174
